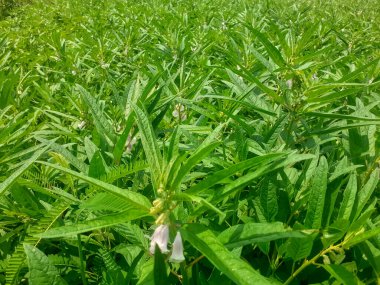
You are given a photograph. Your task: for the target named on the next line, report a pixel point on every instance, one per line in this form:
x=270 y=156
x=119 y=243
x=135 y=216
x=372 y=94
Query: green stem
x=82 y=261
x=306 y=263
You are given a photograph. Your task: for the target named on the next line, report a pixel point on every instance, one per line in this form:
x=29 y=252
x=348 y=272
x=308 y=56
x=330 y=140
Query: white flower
x=131 y=141
x=289 y=83
x=177 y=253
x=81 y=125
x=179 y=112
x=161 y=238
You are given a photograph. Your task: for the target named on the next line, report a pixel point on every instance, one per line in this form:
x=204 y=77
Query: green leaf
x=233 y=267
x=90 y=148
x=94 y=224
x=67 y=154
x=365 y=193
x=97 y=166
x=149 y=142
x=102 y=124
x=120 y=144
x=104 y=201
x=317 y=195
x=159 y=269
x=340 y=116
x=349 y=196
x=213 y=179
x=245 y=234
x=268 y=198
x=360 y=237
x=41 y=271
x=16 y=174
x=197 y=156
x=341 y=274
x=273 y=52
x=371 y=253
x=147 y=274
x=137 y=200
x=297 y=248
x=188 y=197
x=268 y=166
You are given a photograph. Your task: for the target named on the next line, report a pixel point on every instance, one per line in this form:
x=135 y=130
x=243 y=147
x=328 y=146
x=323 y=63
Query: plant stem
x=195 y=261
x=82 y=261
x=306 y=263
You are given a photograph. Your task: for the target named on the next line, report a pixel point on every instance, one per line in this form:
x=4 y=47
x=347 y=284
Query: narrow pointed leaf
x=137 y=200
x=317 y=196
x=239 y=271
x=16 y=174
x=94 y=224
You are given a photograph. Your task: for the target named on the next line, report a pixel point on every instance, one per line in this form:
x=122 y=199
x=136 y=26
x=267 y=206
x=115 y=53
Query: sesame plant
x=189 y=142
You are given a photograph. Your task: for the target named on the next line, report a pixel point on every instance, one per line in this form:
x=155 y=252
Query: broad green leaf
x=94 y=224
x=297 y=248
x=317 y=195
x=341 y=274
x=233 y=267
x=97 y=166
x=268 y=198
x=16 y=174
x=104 y=201
x=41 y=271
x=372 y=253
x=133 y=233
x=137 y=200
x=89 y=147
x=147 y=275
x=245 y=234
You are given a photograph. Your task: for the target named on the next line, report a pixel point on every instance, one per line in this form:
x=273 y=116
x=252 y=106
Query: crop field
x=188 y=142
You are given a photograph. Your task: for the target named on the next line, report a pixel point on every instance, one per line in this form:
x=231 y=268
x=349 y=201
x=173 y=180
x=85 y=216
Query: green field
x=189 y=142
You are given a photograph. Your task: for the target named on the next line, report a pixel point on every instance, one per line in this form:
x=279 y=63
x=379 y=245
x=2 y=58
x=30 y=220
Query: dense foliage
x=248 y=128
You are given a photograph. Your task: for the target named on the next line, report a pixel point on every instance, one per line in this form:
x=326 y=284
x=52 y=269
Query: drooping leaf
x=139 y=201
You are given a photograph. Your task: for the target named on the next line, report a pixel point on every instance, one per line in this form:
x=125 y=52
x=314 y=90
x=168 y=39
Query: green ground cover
x=250 y=129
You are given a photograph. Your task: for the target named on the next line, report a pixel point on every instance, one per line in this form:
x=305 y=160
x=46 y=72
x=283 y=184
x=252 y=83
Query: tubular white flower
x=161 y=238
x=177 y=253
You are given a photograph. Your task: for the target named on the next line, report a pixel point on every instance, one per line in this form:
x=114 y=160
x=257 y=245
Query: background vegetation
x=256 y=123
